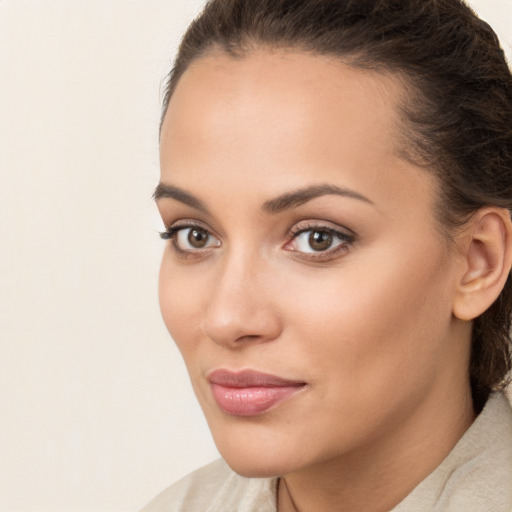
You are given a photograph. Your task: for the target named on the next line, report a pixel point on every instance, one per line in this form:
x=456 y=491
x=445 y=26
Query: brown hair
x=458 y=111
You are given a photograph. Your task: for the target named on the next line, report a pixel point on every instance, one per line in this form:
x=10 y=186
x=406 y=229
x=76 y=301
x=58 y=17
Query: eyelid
x=320 y=225
x=346 y=236
x=171 y=233
x=179 y=225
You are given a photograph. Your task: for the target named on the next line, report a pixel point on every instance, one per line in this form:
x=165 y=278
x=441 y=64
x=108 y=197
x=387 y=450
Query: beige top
x=475 y=477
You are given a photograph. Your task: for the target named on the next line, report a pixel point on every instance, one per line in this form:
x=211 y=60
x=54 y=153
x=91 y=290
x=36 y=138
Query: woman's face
x=304 y=248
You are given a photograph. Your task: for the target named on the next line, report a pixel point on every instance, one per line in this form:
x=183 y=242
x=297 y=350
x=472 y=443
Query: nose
x=240 y=308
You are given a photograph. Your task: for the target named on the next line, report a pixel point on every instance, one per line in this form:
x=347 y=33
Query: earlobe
x=488 y=260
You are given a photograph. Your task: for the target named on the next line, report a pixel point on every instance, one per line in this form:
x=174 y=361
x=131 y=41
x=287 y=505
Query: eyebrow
x=303 y=195
x=164 y=191
x=273 y=206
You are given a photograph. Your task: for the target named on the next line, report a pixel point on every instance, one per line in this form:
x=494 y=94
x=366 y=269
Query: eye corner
x=167 y=234
x=190 y=239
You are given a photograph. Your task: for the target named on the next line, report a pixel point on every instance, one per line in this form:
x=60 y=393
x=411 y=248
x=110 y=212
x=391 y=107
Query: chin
x=254 y=458
x=265 y=446
x=256 y=468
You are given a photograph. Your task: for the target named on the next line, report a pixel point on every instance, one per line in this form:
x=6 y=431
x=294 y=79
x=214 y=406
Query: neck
x=382 y=473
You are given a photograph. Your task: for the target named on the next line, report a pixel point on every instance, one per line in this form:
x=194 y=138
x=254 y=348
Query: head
x=432 y=80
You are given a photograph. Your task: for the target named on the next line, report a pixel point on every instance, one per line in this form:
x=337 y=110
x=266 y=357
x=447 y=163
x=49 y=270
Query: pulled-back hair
x=458 y=110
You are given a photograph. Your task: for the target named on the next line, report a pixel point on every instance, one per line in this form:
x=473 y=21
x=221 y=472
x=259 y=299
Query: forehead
x=295 y=88
x=285 y=119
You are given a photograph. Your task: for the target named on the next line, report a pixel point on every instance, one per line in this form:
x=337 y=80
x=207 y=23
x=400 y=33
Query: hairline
x=407 y=92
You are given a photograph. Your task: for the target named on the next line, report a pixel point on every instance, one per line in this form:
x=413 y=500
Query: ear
x=487 y=242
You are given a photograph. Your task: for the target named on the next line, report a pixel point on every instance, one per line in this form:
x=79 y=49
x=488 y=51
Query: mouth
x=250 y=393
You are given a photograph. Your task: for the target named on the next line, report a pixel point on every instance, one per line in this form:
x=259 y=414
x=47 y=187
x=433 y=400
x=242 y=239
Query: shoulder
x=197 y=488
x=477 y=475
x=483 y=480
x=216 y=488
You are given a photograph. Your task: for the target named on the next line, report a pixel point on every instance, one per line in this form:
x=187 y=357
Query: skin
x=368 y=325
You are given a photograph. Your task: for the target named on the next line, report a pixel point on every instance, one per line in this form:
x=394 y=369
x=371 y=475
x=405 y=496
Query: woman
x=336 y=186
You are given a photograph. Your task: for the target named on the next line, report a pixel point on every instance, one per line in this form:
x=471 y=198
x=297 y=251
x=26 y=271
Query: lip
x=249 y=392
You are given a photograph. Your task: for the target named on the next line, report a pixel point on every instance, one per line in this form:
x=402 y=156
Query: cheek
x=375 y=317
x=180 y=303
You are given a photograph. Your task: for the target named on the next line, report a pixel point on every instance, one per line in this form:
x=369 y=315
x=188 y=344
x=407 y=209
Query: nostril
x=239 y=328
x=249 y=337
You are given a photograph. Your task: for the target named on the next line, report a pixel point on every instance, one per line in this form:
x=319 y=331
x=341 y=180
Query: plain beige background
x=96 y=413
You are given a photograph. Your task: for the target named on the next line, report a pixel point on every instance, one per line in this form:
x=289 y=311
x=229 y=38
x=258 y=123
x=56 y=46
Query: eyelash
x=347 y=240
x=172 y=232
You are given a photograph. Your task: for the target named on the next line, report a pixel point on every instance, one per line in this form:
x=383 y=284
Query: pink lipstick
x=250 y=393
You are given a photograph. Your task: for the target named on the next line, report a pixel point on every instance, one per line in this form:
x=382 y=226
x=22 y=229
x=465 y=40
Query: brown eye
x=320 y=240
x=193 y=238
x=198 y=238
